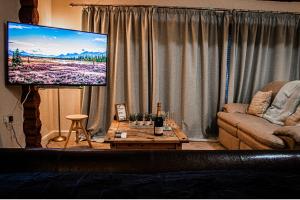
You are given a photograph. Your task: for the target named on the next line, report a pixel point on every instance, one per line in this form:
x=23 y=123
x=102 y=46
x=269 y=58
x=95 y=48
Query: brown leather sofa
x=169 y=174
x=238 y=130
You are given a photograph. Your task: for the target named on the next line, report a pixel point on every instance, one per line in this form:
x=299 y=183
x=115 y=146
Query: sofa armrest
x=289 y=131
x=235 y=108
x=290 y=135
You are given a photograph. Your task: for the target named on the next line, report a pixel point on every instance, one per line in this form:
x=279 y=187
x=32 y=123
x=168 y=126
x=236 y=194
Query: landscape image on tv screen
x=51 y=56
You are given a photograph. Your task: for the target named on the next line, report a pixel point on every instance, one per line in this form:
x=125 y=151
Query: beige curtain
x=128 y=63
x=188 y=66
x=175 y=56
x=265 y=47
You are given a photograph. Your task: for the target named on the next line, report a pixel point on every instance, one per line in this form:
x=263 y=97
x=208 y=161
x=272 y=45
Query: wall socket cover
x=8 y=119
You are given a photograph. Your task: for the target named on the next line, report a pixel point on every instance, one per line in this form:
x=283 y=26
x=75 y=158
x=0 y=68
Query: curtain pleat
x=95 y=99
x=127 y=29
x=265 y=48
x=186 y=67
x=160 y=54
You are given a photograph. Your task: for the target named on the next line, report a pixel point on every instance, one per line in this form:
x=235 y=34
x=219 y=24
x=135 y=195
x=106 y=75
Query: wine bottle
x=158 y=122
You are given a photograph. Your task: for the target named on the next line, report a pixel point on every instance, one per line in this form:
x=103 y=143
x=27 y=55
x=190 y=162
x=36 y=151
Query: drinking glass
x=167 y=118
x=172 y=120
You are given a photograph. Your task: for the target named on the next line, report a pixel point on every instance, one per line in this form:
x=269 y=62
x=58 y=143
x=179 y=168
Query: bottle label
x=159 y=130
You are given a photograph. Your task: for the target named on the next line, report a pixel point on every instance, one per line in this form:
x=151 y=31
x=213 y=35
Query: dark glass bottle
x=159 y=122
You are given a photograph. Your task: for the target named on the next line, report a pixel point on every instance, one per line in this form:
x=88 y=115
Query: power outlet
x=8 y=119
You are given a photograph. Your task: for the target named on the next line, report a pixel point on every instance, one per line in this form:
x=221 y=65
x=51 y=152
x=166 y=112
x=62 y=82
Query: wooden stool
x=77 y=125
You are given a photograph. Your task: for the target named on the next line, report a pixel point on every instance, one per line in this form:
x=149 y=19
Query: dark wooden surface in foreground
x=149 y=174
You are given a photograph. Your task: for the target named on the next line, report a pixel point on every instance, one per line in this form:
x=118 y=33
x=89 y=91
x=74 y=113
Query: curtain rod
x=195 y=8
x=150 y=6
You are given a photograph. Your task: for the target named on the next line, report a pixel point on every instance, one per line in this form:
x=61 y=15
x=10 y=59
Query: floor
x=96 y=145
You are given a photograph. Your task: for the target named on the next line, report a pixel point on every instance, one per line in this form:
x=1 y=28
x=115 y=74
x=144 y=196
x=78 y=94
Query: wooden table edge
x=109 y=137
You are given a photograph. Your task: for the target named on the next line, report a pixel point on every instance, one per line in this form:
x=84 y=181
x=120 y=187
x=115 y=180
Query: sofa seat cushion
x=261 y=130
x=258 y=128
x=251 y=142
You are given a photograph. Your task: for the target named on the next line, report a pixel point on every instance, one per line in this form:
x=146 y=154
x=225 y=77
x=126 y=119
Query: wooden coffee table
x=143 y=138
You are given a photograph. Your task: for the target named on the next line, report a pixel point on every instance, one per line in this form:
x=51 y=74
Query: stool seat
x=76 y=125
x=76 y=117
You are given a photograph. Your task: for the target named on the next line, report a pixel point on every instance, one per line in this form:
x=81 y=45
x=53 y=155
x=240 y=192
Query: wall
x=9 y=96
x=64 y=15
x=70 y=101
x=45 y=12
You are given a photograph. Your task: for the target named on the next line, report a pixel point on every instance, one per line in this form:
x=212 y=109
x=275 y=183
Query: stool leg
x=86 y=135
x=70 y=131
x=77 y=132
x=77 y=138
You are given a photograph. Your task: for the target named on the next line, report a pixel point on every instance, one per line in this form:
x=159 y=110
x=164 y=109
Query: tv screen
x=40 y=55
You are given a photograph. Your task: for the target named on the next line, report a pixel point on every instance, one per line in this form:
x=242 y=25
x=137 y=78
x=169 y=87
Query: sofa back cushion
x=260 y=103
x=285 y=103
x=274 y=86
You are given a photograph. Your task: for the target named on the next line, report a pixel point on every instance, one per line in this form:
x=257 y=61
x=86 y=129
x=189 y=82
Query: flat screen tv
x=41 y=55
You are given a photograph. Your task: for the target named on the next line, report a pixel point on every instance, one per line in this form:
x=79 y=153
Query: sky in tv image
x=46 y=55
x=53 y=42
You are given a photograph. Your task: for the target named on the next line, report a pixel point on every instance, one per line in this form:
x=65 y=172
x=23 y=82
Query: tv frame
x=51 y=85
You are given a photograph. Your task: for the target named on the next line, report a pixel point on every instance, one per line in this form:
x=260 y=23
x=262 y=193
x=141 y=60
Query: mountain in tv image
x=44 y=55
x=68 y=55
